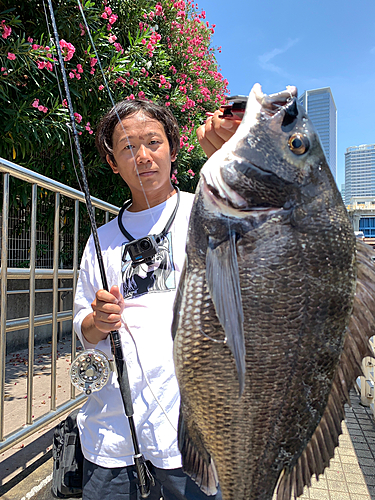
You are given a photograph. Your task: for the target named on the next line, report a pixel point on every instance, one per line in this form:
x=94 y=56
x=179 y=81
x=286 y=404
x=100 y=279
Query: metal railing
x=366 y=382
x=36 y=180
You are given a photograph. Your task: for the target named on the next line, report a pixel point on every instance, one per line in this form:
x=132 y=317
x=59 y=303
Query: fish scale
x=267 y=341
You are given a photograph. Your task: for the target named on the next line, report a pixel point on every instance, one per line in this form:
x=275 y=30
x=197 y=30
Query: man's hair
x=126 y=108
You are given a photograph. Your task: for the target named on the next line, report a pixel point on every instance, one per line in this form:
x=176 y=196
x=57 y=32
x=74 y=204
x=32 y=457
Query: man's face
x=142 y=157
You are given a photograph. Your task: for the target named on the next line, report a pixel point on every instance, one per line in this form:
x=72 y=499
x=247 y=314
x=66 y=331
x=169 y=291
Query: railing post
x=4 y=286
x=30 y=367
x=75 y=276
x=55 y=286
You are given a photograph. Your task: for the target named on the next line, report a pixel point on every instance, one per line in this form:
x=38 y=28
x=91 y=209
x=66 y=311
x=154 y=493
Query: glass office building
x=359 y=173
x=321 y=108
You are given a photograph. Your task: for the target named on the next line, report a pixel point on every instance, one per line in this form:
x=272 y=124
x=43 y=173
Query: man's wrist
x=89 y=331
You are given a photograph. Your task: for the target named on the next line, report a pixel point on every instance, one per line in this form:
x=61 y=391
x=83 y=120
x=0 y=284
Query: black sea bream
x=274 y=275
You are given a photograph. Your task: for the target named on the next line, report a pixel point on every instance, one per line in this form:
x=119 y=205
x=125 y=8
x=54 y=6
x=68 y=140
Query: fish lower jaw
x=226 y=206
x=217 y=199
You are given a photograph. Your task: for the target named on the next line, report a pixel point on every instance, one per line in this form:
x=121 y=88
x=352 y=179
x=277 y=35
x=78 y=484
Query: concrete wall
x=18 y=306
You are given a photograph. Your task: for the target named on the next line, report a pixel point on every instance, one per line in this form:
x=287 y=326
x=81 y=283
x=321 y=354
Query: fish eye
x=298 y=144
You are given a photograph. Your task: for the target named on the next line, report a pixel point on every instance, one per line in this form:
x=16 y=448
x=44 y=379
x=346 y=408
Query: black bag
x=67 y=459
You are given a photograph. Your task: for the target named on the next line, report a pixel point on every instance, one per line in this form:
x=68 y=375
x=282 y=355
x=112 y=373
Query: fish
x=274 y=309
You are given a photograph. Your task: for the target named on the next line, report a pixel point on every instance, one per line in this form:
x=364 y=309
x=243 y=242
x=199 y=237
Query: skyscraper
x=321 y=109
x=359 y=173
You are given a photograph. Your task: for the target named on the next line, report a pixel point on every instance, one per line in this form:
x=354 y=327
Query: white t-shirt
x=147 y=344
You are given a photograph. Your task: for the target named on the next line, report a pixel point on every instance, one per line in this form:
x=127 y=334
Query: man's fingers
x=106 y=327
x=206 y=145
x=104 y=296
x=215 y=132
x=211 y=133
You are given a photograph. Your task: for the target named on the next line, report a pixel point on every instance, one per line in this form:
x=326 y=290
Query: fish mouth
x=274 y=103
x=220 y=197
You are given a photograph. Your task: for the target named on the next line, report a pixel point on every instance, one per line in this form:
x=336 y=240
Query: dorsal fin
x=321 y=448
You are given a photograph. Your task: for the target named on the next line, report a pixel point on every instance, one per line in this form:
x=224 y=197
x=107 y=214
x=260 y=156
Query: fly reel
x=90 y=371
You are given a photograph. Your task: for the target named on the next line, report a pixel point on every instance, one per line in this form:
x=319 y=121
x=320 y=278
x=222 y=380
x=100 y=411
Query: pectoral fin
x=223 y=282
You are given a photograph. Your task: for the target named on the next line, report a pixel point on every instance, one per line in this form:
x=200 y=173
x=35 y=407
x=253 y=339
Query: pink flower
x=67 y=49
x=49 y=66
x=158 y=9
x=7 y=30
x=101 y=87
x=88 y=128
x=40 y=107
x=112 y=19
x=64 y=103
x=41 y=64
x=131 y=97
x=29 y=39
x=162 y=79
x=71 y=75
x=78 y=117
x=104 y=15
x=112 y=38
x=93 y=61
x=83 y=29
x=118 y=47
x=3 y=69
x=167 y=104
x=44 y=109
x=35 y=104
x=79 y=68
x=141 y=94
x=11 y=56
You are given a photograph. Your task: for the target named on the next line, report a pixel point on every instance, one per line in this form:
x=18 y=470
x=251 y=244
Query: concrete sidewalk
x=351 y=475
x=25 y=469
x=27 y=458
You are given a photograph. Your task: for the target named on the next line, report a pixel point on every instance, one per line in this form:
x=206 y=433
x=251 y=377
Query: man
x=140 y=142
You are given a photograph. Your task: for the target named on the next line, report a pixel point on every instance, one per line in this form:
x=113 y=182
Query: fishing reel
x=90 y=371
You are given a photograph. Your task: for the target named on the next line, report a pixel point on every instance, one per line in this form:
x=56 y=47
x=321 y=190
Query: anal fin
x=196 y=461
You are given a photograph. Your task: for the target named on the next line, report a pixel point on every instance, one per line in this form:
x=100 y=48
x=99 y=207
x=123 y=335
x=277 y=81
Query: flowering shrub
x=157 y=50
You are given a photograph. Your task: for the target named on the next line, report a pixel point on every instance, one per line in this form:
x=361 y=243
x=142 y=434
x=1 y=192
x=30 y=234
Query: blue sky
x=309 y=44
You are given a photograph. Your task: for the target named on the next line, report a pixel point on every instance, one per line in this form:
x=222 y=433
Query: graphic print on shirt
x=143 y=278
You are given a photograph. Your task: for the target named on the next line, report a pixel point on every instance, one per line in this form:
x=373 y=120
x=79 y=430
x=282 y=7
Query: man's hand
x=106 y=316
x=215 y=132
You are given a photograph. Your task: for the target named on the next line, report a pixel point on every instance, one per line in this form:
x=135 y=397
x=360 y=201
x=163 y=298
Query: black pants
x=120 y=483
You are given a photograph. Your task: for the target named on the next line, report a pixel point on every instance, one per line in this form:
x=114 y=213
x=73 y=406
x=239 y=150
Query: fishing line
x=148 y=383
x=62 y=100
x=224 y=341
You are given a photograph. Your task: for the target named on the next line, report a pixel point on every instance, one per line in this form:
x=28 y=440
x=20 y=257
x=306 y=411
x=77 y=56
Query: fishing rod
x=145 y=478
